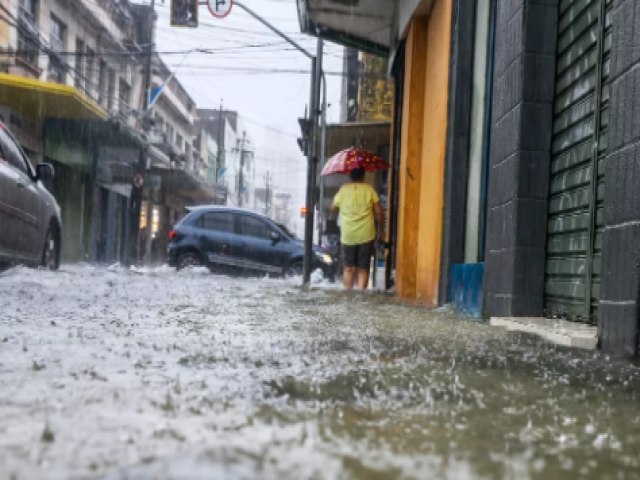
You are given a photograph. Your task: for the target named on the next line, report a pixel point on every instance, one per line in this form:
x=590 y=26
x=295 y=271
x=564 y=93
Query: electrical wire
x=14 y=23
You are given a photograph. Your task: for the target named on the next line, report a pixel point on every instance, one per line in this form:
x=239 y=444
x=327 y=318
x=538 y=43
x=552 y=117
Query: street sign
x=220 y=8
x=138 y=180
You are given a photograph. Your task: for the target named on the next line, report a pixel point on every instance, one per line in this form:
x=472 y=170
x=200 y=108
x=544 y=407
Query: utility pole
x=220 y=144
x=316 y=69
x=267 y=201
x=241 y=175
x=137 y=187
x=323 y=154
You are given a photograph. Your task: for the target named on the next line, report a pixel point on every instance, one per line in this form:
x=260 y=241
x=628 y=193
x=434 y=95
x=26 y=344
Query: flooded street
x=149 y=374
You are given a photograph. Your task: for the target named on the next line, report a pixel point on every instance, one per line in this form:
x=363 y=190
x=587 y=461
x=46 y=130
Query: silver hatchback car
x=30 y=221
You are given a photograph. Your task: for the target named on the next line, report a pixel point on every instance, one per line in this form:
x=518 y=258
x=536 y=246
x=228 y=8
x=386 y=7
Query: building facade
x=513 y=148
x=72 y=88
x=235 y=164
x=68 y=85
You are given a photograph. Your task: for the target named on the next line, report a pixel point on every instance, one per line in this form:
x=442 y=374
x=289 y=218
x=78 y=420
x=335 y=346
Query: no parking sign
x=220 y=8
x=138 y=180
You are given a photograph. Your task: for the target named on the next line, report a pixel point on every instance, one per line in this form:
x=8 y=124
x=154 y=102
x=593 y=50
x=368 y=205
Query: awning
x=73 y=142
x=184 y=184
x=364 y=25
x=41 y=100
x=373 y=26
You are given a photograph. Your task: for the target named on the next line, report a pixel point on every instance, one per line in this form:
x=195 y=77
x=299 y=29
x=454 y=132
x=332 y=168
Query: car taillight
x=172 y=234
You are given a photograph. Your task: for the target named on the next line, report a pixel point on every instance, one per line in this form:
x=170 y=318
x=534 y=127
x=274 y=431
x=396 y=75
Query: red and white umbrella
x=352 y=158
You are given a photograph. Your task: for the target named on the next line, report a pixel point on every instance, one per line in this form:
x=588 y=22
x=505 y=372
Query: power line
x=292 y=71
x=132 y=53
x=268 y=127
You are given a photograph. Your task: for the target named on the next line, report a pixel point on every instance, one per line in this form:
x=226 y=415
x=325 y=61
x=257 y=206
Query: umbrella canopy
x=352 y=158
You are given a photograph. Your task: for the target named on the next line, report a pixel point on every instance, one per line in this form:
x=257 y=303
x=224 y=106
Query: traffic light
x=304 y=146
x=303 y=142
x=184 y=13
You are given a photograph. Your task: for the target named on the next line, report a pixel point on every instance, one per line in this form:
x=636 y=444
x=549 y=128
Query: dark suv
x=223 y=238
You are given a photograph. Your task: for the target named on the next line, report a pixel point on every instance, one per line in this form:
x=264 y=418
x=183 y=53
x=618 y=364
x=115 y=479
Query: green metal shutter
x=574 y=231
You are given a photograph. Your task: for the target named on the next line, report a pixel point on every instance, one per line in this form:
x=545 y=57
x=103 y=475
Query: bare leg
x=363 y=278
x=348 y=277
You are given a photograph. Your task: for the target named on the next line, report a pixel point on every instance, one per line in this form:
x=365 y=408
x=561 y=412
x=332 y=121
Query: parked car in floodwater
x=223 y=238
x=29 y=215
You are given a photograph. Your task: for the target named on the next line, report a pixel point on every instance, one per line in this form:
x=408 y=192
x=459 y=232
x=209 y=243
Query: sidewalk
x=557 y=331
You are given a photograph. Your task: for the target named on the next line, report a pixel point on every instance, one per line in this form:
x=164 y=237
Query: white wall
x=478 y=106
x=78 y=26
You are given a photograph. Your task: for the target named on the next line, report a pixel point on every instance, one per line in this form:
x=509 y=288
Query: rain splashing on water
x=214 y=377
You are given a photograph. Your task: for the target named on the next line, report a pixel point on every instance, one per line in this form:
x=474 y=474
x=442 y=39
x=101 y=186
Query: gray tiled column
x=458 y=135
x=519 y=164
x=621 y=250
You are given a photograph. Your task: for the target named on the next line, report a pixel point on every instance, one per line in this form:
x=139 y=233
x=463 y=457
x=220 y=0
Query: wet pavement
x=152 y=374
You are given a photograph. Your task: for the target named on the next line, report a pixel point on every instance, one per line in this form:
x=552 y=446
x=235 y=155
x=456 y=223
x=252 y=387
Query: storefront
x=35 y=112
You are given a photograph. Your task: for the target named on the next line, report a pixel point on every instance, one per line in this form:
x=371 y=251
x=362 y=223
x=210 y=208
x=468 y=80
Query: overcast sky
x=244 y=74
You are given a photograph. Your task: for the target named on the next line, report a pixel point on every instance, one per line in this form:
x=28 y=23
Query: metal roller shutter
x=574 y=231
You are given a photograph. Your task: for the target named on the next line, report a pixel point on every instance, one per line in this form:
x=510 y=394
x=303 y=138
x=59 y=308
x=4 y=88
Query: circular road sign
x=220 y=8
x=138 y=180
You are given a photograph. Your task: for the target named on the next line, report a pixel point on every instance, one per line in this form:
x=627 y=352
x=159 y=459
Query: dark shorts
x=358 y=256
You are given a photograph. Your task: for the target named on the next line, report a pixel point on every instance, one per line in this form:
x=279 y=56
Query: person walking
x=359 y=208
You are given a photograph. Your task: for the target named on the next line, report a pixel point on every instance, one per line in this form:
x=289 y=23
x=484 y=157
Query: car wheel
x=188 y=259
x=51 y=251
x=295 y=269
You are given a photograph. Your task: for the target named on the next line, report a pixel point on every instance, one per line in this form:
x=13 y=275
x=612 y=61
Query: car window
x=218 y=221
x=11 y=151
x=253 y=227
x=286 y=230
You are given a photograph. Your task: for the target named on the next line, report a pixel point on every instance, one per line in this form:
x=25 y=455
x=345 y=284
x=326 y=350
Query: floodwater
x=151 y=374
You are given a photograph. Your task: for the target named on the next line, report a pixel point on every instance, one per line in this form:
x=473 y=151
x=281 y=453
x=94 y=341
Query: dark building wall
x=458 y=135
x=621 y=251
x=519 y=163
x=349 y=93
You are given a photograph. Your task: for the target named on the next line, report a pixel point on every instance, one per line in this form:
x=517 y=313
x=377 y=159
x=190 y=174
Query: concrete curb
x=556 y=331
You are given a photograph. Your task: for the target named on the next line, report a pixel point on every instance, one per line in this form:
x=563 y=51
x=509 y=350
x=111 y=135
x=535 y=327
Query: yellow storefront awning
x=40 y=100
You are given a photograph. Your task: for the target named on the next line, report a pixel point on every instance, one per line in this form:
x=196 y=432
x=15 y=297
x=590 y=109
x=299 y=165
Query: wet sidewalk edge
x=556 y=331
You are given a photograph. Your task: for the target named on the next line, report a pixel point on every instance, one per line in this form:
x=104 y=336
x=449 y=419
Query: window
x=111 y=88
x=169 y=138
x=90 y=66
x=57 y=33
x=29 y=7
x=253 y=227
x=102 y=83
x=79 y=73
x=124 y=94
x=218 y=221
x=12 y=152
x=28 y=44
x=57 y=40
